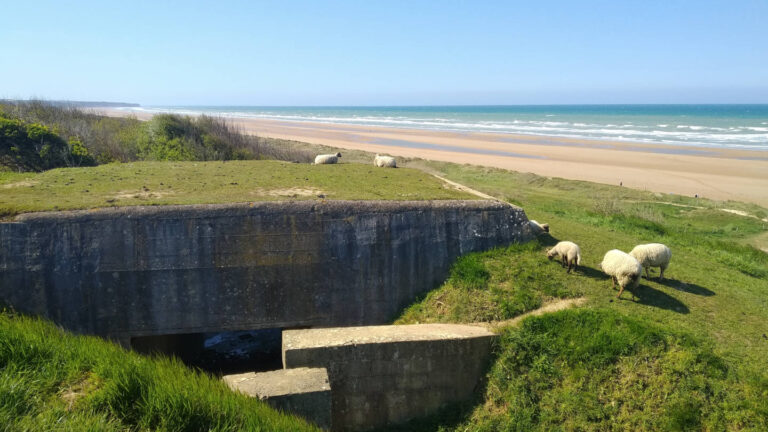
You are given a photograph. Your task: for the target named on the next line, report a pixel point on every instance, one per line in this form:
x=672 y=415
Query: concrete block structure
x=305 y=392
x=384 y=375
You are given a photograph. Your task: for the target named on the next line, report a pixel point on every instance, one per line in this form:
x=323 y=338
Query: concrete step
x=382 y=375
x=305 y=392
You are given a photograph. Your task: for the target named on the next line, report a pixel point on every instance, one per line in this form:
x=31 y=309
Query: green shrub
x=30 y=147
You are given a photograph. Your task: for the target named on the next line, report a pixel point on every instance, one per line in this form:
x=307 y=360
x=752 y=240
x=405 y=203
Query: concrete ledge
x=305 y=392
x=384 y=375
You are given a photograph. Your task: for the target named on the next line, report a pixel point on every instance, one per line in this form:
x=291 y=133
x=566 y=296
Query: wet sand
x=719 y=174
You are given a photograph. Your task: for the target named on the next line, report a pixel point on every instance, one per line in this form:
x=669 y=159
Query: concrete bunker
x=166 y=278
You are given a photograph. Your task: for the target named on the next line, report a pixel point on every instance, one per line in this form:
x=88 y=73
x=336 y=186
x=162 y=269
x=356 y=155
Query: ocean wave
x=736 y=136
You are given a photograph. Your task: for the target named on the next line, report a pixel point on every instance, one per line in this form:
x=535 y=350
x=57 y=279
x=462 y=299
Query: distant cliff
x=78 y=104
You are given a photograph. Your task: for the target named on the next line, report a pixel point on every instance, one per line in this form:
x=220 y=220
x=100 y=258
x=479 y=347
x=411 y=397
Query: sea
x=712 y=126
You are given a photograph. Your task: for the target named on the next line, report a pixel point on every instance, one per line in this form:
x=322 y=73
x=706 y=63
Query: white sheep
x=569 y=253
x=652 y=255
x=538 y=228
x=384 y=161
x=623 y=269
x=327 y=158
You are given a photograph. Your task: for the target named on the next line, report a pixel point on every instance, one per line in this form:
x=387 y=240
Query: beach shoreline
x=714 y=173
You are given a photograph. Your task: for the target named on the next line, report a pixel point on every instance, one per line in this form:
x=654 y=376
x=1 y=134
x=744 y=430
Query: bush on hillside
x=165 y=137
x=175 y=138
x=34 y=147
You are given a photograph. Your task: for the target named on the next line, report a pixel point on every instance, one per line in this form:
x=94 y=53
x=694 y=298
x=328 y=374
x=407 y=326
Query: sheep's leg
x=647 y=276
x=620 y=291
x=613 y=282
x=562 y=260
x=661 y=273
x=569 y=267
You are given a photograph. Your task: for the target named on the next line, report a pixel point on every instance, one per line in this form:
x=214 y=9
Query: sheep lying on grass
x=623 y=269
x=538 y=228
x=652 y=255
x=327 y=159
x=569 y=253
x=384 y=161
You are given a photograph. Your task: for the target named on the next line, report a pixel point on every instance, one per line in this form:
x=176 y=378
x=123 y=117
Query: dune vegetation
x=37 y=135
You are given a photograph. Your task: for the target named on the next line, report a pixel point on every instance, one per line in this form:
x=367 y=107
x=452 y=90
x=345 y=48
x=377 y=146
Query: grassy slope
x=51 y=380
x=155 y=183
x=691 y=352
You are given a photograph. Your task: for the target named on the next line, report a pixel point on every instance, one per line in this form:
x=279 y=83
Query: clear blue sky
x=385 y=52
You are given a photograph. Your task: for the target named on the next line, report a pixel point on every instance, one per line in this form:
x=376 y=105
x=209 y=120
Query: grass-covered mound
x=157 y=183
x=690 y=353
x=51 y=380
x=484 y=287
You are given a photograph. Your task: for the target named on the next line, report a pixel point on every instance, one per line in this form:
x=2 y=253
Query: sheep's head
x=545 y=227
x=550 y=254
x=338 y=154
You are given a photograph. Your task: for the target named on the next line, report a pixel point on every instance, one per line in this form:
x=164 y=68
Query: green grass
x=484 y=287
x=51 y=380
x=157 y=183
x=690 y=353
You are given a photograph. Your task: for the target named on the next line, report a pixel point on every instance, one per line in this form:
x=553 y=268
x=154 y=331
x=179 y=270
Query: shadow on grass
x=690 y=288
x=547 y=240
x=592 y=273
x=652 y=297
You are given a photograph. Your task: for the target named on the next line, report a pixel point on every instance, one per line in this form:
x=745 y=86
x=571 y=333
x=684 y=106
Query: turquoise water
x=718 y=126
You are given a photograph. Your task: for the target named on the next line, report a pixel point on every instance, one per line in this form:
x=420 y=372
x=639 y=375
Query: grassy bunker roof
x=164 y=183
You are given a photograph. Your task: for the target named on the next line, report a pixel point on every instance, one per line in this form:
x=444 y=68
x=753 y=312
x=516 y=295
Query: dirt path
x=550 y=307
x=467 y=189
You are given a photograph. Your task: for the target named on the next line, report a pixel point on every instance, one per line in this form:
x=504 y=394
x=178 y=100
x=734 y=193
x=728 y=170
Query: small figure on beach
x=621 y=183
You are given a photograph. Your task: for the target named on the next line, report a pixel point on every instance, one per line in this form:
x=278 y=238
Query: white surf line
x=468 y=189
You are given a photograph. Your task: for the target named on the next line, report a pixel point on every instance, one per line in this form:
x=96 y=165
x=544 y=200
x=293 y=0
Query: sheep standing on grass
x=652 y=255
x=569 y=253
x=384 y=161
x=538 y=228
x=623 y=269
x=327 y=159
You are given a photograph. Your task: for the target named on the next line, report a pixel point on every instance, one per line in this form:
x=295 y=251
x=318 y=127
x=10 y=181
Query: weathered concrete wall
x=305 y=392
x=186 y=269
x=383 y=375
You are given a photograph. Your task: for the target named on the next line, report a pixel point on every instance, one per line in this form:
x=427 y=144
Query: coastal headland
x=720 y=174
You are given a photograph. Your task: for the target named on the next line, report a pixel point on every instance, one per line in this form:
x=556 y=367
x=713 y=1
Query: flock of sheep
x=379 y=161
x=625 y=269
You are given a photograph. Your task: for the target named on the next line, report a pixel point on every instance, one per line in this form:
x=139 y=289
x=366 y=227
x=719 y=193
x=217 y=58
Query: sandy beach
x=720 y=174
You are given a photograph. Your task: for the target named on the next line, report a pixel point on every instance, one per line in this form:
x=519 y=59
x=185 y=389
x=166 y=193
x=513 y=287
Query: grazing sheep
x=652 y=255
x=623 y=269
x=569 y=253
x=384 y=161
x=327 y=159
x=538 y=228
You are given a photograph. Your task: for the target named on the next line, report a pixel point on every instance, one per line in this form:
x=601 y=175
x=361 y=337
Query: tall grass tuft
x=52 y=380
